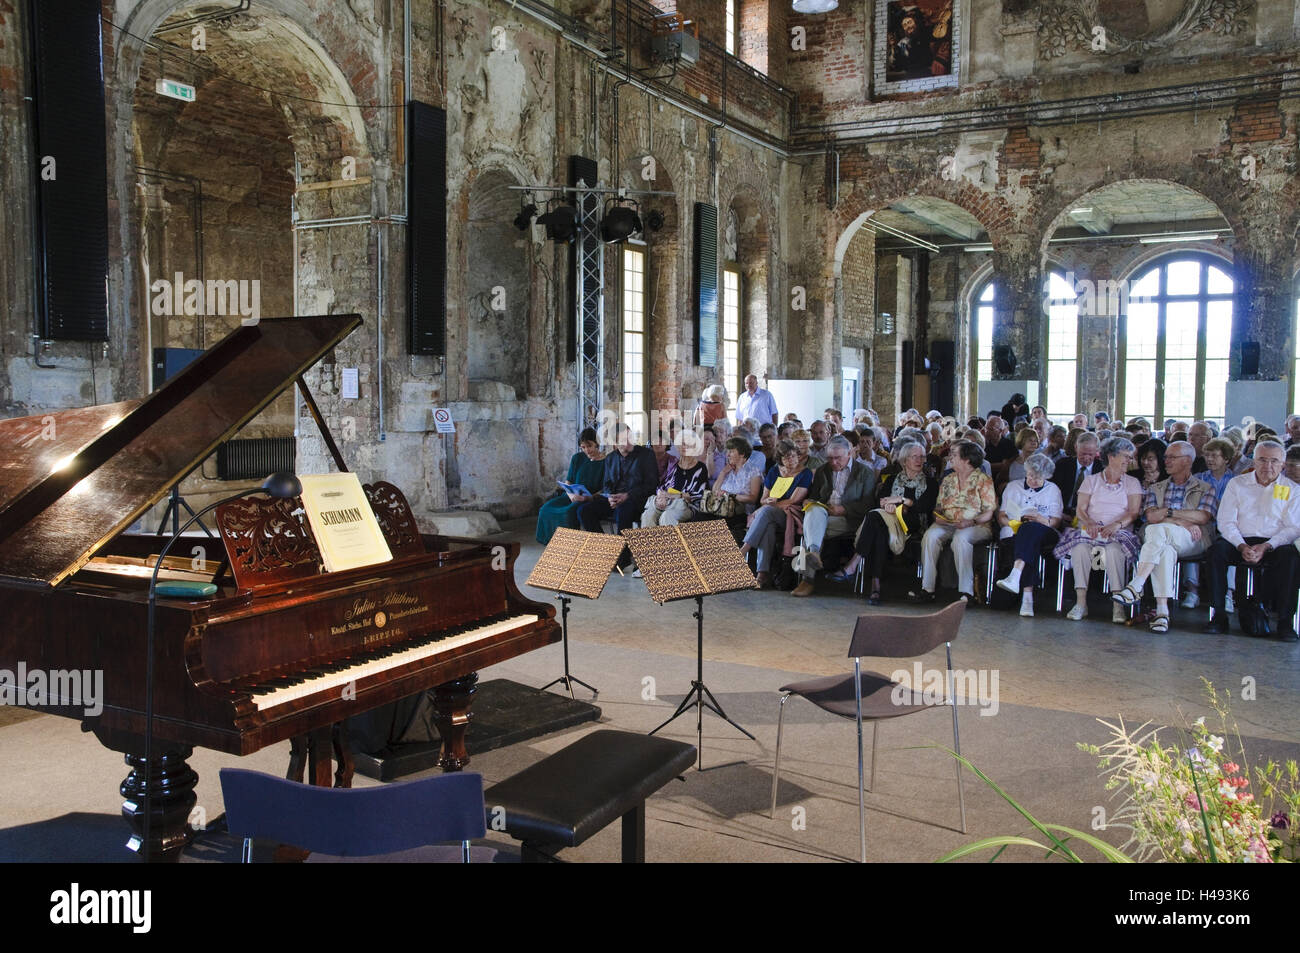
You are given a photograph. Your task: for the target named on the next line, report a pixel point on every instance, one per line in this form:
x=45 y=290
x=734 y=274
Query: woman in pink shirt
x=1109 y=504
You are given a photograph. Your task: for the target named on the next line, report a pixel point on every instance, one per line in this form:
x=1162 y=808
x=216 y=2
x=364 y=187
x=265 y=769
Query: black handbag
x=1253 y=618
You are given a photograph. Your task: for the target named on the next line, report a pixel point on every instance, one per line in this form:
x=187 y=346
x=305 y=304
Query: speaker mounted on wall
x=1249 y=358
x=426 y=216
x=71 y=175
x=1004 y=359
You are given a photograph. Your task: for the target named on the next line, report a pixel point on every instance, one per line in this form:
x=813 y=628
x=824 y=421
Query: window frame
x=733 y=381
x=1161 y=300
x=1045 y=398
x=637 y=418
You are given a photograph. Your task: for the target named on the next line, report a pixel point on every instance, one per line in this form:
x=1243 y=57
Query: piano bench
x=567 y=797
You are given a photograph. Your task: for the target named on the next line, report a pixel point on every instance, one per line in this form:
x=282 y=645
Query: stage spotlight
x=621 y=222
x=655 y=220
x=524 y=220
x=561 y=223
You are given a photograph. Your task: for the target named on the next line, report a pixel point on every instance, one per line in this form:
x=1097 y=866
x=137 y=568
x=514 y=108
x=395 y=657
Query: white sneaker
x=1228 y=607
x=1011 y=583
x=1077 y=611
x=1190 y=601
x=1118 y=613
x=1027 y=608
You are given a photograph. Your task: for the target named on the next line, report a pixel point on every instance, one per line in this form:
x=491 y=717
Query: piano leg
x=171 y=783
x=451 y=703
x=343 y=756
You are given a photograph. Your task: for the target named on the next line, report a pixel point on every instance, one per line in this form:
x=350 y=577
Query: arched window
x=1060 y=386
x=1175 y=328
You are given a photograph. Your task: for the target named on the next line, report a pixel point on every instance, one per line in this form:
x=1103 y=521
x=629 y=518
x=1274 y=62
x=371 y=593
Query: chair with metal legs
x=870 y=696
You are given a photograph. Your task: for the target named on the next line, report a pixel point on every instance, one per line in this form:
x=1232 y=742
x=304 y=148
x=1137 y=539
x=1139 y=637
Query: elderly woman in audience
x=784 y=489
x=712 y=406
x=1150 y=468
x=1109 y=504
x=1178 y=512
x=963 y=513
x=678 y=495
x=1027 y=444
x=742 y=479
x=587 y=468
x=908 y=492
x=802 y=441
x=1029 y=516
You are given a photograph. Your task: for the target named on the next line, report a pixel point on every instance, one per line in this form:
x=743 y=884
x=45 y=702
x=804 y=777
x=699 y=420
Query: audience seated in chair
x=587 y=467
x=962 y=515
x=908 y=492
x=1178 y=514
x=1029 y=516
x=631 y=475
x=837 y=501
x=1258 y=520
x=1109 y=504
x=741 y=478
x=678 y=495
x=785 y=488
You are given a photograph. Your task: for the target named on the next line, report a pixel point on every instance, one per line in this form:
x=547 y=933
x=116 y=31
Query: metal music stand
x=578 y=563
x=692 y=561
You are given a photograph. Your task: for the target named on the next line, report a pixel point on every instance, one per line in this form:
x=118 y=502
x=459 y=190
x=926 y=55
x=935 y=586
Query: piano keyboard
x=318 y=680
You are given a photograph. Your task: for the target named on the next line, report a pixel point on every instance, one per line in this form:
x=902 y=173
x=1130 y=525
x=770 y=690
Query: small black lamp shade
x=282 y=485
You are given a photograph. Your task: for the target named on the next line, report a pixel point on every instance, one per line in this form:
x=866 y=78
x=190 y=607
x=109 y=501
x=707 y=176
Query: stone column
x=1262 y=311
x=1018 y=307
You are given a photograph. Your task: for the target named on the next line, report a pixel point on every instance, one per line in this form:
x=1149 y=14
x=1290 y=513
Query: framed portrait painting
x=918 y=45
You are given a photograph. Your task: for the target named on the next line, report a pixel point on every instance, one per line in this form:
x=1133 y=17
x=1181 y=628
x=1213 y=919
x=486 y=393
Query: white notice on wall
x=442 y=420
x=351 y=383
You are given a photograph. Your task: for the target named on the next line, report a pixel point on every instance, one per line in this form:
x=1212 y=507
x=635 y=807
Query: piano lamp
x=280 y=485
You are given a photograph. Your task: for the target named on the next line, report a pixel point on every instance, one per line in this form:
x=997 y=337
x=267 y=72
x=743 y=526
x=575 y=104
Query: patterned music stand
x=691 y=561
x=578 y=563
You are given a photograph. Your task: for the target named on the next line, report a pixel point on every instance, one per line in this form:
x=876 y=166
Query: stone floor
x=1054 y=680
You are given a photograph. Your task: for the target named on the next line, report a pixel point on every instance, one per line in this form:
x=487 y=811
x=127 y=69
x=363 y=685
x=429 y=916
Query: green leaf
x=1113 y=854
x=987 y=842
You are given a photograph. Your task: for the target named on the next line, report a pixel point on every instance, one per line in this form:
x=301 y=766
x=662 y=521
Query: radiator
x=255 y=458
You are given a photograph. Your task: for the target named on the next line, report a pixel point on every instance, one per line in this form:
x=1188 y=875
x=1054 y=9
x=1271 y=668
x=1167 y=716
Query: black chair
x=358 y=822
x=869 y=696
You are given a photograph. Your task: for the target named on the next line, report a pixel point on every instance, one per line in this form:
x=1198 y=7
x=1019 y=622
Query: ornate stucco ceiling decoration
x=1066 y=25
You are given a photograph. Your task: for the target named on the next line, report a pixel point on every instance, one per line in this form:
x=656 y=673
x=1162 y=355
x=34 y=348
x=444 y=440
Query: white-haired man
x=1259 y=517
x=837 y=503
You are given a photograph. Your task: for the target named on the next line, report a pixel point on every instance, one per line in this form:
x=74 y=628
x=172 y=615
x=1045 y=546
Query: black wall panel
x=72 y=170
x=426 y=240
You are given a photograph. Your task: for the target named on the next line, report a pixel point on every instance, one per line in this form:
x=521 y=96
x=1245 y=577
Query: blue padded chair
x=356 y=822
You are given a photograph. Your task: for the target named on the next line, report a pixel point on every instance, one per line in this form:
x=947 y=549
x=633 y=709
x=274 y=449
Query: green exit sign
x=176 y=90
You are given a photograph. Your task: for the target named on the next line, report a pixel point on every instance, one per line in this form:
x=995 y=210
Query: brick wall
x=858 y=278
x=1256 y=122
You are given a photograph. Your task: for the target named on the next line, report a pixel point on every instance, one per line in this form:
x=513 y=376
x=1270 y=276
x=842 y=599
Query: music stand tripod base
x=699 y=692
x=567 y=679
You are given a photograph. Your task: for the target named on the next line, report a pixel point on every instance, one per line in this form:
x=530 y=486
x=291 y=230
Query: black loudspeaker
x=943 y=377
x=1249 y=358
x=426 y=228
x=909 y=350
x=1004 y=359
x=72 y=170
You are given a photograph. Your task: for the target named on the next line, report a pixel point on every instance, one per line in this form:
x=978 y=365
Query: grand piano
x=283 y=650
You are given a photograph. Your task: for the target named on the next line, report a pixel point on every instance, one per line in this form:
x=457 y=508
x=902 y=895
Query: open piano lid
x=66 y=497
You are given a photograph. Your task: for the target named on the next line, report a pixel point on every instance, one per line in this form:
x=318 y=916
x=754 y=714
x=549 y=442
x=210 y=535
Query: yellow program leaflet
x=346 y=529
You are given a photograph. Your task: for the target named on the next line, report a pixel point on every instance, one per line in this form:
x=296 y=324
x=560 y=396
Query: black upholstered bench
x=567 y=797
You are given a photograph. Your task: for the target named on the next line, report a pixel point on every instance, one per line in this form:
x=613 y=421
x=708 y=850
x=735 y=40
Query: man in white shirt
x=1259 y=517
x=755 y=402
